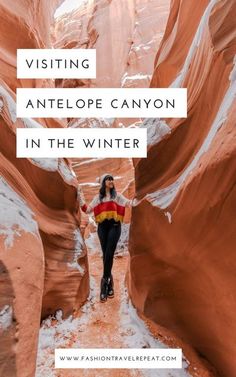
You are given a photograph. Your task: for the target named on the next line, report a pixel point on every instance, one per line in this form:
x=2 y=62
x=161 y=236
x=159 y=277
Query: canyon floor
x=113 y=324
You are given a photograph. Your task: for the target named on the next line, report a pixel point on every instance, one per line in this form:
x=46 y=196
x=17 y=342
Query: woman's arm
x=84 y=207
x=127 y=202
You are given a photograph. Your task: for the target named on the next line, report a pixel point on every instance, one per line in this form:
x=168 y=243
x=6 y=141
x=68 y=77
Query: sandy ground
x=104 y=328
x=112 y=324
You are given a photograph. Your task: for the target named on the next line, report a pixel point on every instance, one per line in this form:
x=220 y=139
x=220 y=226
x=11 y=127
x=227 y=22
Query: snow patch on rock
x=164 y=197
x=137 y=335
x=126 y=79
x=1 y=105
x=31 y=123
x=57 y=333
x=92 y=242
x=49 y=164
x=6 y=316
x=10 y=103
x=90 y=184
x=88 y=162
x=157 y=129
x=68 y=6
x=15 y=215
x=122 y=246
x=79 y=248
x=168 y=215
x=195 y=43
x=67 y=173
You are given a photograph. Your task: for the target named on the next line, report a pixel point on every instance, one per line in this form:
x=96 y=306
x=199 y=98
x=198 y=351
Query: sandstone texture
x=181 y=269
x=126 y=36
x=43 y=259
x=182 y=241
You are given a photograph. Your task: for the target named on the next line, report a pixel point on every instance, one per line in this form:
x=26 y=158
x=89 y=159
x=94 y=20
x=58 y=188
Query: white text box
x=56 y=63
x=81 y=142
x=102 y=103
x=111 y=358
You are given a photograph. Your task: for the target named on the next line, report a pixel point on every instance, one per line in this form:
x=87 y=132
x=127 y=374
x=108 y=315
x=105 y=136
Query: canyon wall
x=43 y=261
x=182 y=241
x=126 y=35
x=182 y=268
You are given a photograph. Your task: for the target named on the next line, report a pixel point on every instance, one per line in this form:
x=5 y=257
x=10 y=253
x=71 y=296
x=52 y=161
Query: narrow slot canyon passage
x=112 y=324
x=174 y=267
x=116 y=323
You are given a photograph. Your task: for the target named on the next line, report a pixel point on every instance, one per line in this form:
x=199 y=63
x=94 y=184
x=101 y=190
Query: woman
x=109 y=210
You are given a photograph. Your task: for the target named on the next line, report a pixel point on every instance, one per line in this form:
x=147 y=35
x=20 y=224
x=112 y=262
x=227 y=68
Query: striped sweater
x=107 y=209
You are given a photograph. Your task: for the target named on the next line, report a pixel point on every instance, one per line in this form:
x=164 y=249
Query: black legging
x=109 y=233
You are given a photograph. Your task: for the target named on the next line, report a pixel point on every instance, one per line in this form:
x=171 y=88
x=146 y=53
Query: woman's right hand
x=79 y=189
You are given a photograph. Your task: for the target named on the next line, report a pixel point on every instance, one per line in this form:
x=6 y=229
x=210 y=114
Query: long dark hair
x=102 y=191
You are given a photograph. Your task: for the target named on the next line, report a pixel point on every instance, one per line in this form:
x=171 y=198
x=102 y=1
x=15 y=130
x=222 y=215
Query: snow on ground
x=131 y=331
x=56 y=332
x=137 y=335
x=15 y=215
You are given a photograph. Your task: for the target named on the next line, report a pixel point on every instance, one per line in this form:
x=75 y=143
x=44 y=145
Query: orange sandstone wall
x=183 y=239
x=126 y=35
x=43 y=260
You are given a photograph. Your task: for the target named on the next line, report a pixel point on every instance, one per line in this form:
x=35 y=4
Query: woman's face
x=109 y=183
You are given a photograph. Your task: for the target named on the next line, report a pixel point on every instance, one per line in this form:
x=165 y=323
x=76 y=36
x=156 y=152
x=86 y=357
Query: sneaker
x=104 y=290
x=110 y=292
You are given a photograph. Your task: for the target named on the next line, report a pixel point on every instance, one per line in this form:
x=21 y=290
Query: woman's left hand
x=135 y=202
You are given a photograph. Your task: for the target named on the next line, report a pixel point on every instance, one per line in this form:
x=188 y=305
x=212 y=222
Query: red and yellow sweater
x=108 y=208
